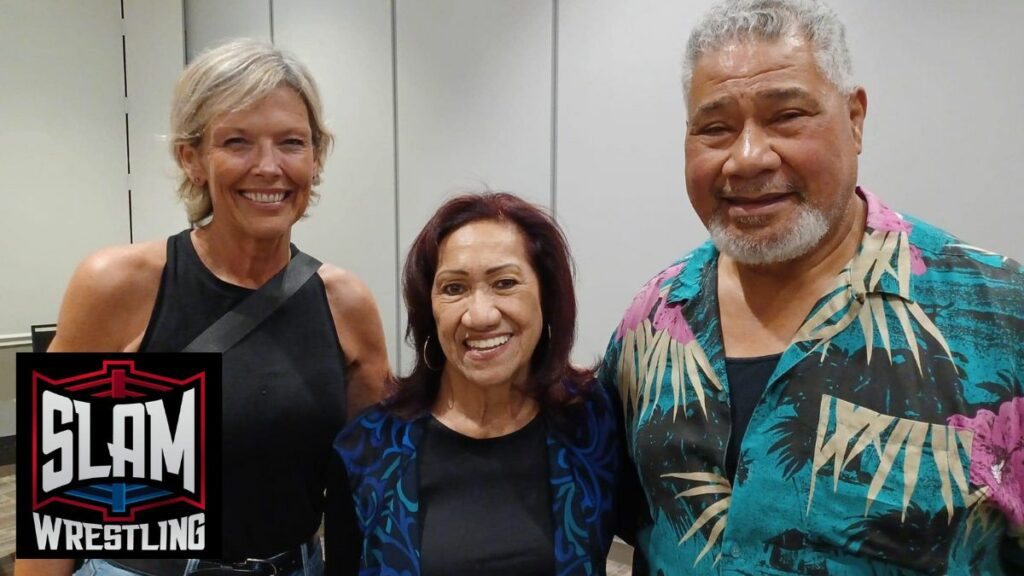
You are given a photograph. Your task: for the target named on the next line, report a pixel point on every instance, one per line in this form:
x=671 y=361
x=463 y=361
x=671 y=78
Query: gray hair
x=770 y=20
x=228 y=78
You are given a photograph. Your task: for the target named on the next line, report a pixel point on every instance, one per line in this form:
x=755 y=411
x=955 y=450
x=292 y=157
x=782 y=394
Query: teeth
x=488 y=343
x=264 y=197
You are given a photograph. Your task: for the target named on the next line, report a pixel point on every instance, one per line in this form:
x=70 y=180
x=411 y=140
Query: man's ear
x=857 y=103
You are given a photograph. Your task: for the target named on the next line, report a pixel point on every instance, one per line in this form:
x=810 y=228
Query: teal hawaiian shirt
x=889 y=439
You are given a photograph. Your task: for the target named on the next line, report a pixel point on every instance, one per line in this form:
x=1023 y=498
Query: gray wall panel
x=347 y=46
x=208 y=23
x=155 y=57
x=942 y=139
x=621 y=193
x=62 y=149
x=474 y=102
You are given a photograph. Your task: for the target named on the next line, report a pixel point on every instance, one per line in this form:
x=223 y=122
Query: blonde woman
x=249 y=137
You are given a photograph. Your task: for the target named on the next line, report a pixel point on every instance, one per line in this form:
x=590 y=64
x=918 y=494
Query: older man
x=827 y=386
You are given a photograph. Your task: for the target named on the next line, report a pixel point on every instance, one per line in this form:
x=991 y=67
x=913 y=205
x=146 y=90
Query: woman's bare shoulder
x=121 y=271
x=345 y=287
x=108 y=301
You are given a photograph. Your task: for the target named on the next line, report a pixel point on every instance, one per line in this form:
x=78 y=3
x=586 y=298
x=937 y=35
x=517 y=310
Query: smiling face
x=259 y=164
x=487 y=306
x=771 y=150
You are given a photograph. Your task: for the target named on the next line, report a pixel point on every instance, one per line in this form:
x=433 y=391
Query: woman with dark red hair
x=494 y=455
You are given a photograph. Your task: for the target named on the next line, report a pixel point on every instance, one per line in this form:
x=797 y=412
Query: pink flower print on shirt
x=997 y=455
x=882 y=218
x=669 y=318
x=640 y=309
x=917 y=265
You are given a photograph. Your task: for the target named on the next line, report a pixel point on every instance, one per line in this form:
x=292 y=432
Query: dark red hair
x=553 y=380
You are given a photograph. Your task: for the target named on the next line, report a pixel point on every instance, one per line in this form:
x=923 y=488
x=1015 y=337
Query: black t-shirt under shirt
x=748 y=378
x=486 y=503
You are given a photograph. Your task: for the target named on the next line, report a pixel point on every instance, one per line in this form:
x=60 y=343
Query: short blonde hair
x=228 y=78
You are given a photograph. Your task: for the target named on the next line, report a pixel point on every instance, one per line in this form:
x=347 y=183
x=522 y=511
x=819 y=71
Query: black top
x=485 y=504
x=748 y=378
x=283 y=400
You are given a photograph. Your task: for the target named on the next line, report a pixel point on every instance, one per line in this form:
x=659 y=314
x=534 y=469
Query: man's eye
x=788 y=115
x=713 y=130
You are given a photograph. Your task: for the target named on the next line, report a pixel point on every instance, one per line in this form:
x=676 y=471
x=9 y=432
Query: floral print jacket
x=889 y=439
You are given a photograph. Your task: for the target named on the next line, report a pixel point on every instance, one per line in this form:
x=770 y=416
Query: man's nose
x=751 y=154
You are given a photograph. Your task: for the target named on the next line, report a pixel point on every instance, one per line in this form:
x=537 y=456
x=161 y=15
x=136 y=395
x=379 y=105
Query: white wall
x=154 y=57
x=428 y=97
x=473 y=92
x=943 y=136
x=64 y=141
x=62 y=149
x=347 y=46
x=210 y=23
x=621 y=119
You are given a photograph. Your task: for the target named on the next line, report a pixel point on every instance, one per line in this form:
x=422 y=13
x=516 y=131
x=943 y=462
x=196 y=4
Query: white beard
x=808 y=228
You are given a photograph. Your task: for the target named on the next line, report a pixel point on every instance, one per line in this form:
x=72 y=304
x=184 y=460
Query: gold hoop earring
x=426 y=361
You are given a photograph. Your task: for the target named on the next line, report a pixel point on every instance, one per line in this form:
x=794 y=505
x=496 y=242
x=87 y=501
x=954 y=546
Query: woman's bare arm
x=106 y=308
x=360 y=334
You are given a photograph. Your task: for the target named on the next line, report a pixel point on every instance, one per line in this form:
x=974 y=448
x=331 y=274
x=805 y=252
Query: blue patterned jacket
x=378 y=455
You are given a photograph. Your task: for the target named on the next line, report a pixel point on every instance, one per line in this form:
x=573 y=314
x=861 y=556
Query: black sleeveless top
x=283 y=400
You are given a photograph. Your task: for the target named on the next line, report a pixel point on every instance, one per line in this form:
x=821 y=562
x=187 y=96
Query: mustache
x=758 y=188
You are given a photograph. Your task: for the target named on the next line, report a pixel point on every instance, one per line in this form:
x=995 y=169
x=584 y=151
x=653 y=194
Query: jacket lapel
x=572 y=540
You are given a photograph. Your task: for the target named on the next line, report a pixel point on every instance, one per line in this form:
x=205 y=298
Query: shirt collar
x=697 y=267
x=887 y=262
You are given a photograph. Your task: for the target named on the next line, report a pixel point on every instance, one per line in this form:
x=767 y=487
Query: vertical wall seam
x=184 y=32
x=127 y=129
x=554 y=108
x=398 y=236
x=128 y=152
x=131 y=225
x=270 y=6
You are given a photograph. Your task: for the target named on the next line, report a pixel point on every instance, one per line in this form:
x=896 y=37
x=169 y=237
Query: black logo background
x=66 y=365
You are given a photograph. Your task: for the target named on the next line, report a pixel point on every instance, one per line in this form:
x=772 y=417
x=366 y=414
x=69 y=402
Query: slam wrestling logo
x=118 y=455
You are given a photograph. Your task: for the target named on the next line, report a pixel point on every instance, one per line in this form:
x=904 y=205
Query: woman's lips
x=484 y=354
x=267 y=198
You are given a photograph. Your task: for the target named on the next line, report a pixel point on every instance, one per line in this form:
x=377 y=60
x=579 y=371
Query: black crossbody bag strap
x=236 y=323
